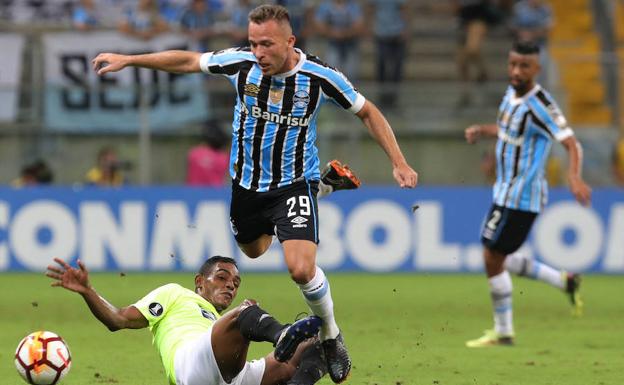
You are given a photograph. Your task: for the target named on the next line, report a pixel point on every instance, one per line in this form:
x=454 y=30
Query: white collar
x=297 y=67
x=517 y=100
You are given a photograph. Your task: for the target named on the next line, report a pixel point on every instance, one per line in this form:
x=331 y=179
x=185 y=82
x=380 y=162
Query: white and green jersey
x=176 y=315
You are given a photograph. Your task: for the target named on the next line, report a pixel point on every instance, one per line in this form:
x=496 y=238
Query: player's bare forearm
x=381 y=131
x=579 y=188
x=171 y=61
x=112 y=317
x=77 y=280
x=476 y=131
x=575 y=155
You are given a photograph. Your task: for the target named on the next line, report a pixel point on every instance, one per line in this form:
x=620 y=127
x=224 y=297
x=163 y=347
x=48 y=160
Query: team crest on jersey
x=301 y=99
x=276 y=95
x=251 y=90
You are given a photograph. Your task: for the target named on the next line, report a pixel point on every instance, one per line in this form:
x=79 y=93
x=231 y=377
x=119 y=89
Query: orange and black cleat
x=339 y=176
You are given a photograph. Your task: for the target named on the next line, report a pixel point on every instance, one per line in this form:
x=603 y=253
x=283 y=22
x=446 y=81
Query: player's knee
x=493 y=261
x=251 y=252
x=243 y=305
x=301 y=274
x=256 y=248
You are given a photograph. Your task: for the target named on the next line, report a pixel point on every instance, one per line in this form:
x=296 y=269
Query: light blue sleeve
x=224 y=62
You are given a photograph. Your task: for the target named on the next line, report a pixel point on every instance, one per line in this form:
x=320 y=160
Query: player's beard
x=521 y=87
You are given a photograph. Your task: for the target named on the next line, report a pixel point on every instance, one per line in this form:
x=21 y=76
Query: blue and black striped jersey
x=526 y=129
x=274 y=126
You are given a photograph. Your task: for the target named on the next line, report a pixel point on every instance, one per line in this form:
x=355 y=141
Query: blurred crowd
x=341 y=25
x=340 y=21
x=207 y=164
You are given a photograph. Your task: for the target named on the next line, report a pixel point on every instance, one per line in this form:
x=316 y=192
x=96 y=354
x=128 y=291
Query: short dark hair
x=39 y=171
x=267 y=12
x=207 y=266
x=524 y=47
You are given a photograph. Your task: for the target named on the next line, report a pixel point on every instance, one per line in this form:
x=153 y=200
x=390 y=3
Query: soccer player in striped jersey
x=528 y=122
x=274 y=161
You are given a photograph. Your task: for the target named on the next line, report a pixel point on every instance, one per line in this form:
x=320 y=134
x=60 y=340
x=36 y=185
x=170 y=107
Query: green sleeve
x=155 y=305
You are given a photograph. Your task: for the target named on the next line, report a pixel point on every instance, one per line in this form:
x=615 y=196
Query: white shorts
x=195 y=364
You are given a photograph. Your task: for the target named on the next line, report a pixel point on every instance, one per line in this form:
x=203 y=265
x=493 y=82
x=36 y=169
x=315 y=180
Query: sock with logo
x=500 y=289
x=324 y=190
x=257 y=325
x=318 y=296
x=525 y=266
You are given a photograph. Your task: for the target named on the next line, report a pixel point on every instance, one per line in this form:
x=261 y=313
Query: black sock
x=312 y=366
x=257 y=325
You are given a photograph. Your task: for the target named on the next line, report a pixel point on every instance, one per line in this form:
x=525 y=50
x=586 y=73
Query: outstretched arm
x=476 y=131
x=381 y=131
x=171 y=61
x=77 y=280
x=581 y=191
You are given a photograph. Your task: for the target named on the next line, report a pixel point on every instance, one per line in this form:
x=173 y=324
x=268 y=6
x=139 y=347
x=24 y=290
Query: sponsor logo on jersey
x=287 y=120
x=155 y=309
x=251 y=90
x=301 y=99
x=206 y=314
x=299 y=222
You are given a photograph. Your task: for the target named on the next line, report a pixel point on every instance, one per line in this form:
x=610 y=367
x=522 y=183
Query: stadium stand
x=426 y=118
x=576 y=49
x=618 y=28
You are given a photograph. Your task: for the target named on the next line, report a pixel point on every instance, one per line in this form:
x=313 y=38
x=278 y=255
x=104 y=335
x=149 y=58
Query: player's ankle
x=329 y=331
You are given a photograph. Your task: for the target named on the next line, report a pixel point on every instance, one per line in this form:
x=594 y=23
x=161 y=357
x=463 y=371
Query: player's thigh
x=253 y=374
x=505 y=229
x=195 y=363
x=294 y=211
x=248 y=215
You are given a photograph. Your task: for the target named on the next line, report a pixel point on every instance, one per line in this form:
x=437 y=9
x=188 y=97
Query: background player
x=528 y=121
x=523 y=265
x=197 y=346
x=274 y=161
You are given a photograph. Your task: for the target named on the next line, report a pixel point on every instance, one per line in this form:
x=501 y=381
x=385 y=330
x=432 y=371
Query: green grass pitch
x=400 y=329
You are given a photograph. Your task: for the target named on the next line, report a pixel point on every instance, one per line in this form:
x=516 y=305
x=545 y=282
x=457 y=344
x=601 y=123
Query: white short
x=195 y=364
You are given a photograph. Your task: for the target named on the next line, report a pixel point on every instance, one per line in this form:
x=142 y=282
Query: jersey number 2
x=494 y=219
